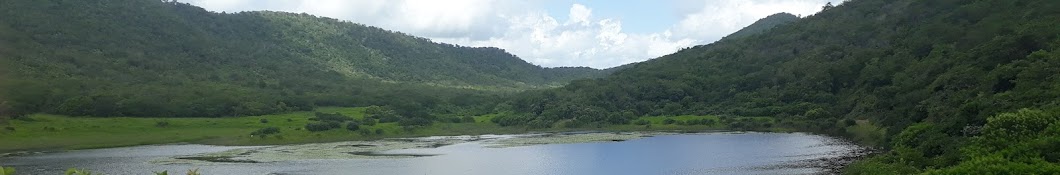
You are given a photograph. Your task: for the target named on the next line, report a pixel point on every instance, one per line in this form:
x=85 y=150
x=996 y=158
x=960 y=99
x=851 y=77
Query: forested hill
x=764 y=24
x=158 y=58
x=151 y=34
x=920 y=78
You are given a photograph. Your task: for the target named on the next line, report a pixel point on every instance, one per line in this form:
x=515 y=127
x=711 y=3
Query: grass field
x=52 y=132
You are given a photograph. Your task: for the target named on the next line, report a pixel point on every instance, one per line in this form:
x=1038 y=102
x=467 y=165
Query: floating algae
x=568 y=138
x=334 y=150
x=390 y=155
x=377 y=149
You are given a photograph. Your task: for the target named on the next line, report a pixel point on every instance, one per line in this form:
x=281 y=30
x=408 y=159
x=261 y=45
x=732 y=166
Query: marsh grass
x=55 y=132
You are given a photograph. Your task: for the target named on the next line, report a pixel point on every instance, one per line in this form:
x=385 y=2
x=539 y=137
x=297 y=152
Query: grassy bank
x=53 y=132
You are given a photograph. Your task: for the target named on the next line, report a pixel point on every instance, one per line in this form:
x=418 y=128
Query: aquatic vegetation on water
x=190 y=172
x=75 y=171
x=567 y=138
x=376 y=149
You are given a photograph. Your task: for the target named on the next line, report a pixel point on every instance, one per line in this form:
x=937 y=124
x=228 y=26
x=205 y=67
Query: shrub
x=468 y=119
x=368 y=122
x=352 y=126
x=75 y=171
x=669 y=121
x=570 y=123
x=512 y=120
x=849 y=122
x=700 y=122
x=265 y=131
x=539 y=124
x=641 y=122
x=264 y=120
x=389 y=119
x=454 y=120
x=190 y=172
x=414 y=122
x=322 y=126
x=379 y=131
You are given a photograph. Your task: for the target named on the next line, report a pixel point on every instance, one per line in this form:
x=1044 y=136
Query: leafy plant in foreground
x=75 y=171
x=190 y=172
x=7 y=171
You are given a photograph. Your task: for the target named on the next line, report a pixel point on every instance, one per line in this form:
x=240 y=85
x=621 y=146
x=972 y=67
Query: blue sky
x=551 y=33
x=638 y=16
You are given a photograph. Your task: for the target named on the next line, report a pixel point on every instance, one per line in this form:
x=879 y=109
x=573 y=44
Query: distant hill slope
x=922 y=77
x=343 y=47
x=764 y=24
x=146 y=57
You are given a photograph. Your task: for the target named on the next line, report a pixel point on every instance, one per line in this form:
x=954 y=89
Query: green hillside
x=152 y=58
x=938 y=83
x=763 y=25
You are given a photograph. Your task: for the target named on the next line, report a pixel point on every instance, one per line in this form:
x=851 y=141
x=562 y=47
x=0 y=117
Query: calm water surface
x=714 y=153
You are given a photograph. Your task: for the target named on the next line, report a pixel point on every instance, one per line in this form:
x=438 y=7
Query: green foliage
x=699 y=122
x=190 y=172
x=368 y=121
x=1022 y=142
x=669 y=121
x=414 y=122
x=763 y=25
x=263 y=132
x=996 y=164
x=75 y=171
x=170 y=59
x=1006 y=128
x=878 y=166
x=468 y=119
x=7 y=170
x=926 y=76
x=352 y=126
x=641 y=122
x=322 y=126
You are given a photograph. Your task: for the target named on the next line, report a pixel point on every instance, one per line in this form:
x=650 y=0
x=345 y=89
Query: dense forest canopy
x=936 y=69
x=764 y=24
x=152 y=58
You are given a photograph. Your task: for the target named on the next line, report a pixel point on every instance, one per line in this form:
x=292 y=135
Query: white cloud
x=719 y=18
x=526 y=30
x=581 y=41
x=580 y=14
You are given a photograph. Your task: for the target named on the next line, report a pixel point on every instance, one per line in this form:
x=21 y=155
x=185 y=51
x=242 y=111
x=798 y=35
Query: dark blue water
x=717 y=153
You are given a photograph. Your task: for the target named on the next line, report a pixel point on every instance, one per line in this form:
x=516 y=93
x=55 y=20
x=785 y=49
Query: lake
x=700 y=153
